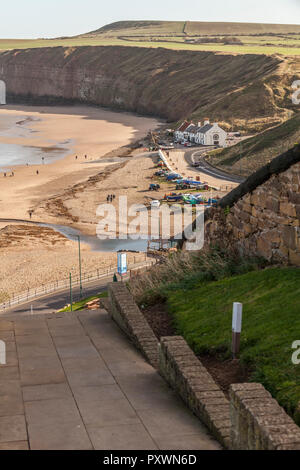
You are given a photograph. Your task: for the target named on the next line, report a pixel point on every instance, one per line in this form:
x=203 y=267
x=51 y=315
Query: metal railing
x=60 y=285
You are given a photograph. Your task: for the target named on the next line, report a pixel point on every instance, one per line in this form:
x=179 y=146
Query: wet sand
x=83 y=131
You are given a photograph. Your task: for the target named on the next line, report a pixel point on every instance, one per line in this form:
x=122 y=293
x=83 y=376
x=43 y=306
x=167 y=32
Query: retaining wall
x=128 y=316
x=186 y=374
x=258 y=422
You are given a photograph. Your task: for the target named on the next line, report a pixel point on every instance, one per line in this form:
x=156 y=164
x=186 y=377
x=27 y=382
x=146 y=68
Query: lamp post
x=80 y=275
x=71 y=294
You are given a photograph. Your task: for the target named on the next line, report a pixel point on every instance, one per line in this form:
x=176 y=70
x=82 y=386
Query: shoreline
x=94 y=132
x=31 y=256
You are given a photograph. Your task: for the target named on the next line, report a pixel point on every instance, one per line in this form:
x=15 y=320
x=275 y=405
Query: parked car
x=154 y=187
x=172 y=176
x=181 y=186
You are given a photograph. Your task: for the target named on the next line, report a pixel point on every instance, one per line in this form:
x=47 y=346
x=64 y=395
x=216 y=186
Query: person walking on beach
x=30 y=212
x=85 y=156
x=4 y=175
x=37 y=172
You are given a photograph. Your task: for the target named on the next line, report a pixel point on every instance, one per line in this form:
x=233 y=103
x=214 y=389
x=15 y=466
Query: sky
x=53 y=18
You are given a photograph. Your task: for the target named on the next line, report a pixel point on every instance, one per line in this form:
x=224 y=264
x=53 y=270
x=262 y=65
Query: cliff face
x=170 y=84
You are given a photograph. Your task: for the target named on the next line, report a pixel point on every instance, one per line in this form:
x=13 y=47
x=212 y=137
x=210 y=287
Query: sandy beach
x=65 y=192
x=92 y=131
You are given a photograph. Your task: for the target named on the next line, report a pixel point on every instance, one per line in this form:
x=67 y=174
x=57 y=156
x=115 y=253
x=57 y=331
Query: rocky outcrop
x=170 y=84
x=262 y=216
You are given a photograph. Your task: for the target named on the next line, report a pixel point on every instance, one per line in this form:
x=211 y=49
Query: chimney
x=206 y=121
x=199 y=124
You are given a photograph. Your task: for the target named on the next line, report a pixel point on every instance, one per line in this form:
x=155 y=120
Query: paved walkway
x=73 y=381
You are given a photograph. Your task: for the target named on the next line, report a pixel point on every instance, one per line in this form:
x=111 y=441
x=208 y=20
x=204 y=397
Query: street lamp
x=80 y=276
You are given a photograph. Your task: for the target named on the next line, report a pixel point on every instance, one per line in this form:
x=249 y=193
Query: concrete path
x=73 y=381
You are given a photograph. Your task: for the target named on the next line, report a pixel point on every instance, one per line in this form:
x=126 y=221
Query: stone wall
x=258 y=422
x=128 y=316
x=264 y=221
x=252 y=420
x=186 y=374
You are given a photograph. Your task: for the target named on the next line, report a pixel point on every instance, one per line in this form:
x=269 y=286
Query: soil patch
x=224 y=373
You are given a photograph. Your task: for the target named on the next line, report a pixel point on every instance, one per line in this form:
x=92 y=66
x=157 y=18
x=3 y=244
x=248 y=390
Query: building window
x=216 y=139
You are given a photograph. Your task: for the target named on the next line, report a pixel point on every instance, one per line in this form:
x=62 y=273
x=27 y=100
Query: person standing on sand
x=85 y=156
x=37 y=172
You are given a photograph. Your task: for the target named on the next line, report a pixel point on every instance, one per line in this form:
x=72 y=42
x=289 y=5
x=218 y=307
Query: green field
x=255 y=38
x=10 y=44
x=202 y=313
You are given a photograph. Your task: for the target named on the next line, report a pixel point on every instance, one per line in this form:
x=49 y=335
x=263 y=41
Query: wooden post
x=236 y=328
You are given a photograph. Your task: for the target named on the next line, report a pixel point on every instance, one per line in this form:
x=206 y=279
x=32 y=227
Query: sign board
x=122 y=263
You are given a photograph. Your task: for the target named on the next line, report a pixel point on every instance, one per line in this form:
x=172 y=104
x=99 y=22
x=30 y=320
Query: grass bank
x=199 y=294
x=271 y=324
x=81 y=305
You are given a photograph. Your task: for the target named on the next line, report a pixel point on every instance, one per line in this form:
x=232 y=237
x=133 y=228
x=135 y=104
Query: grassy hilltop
x=243 y=38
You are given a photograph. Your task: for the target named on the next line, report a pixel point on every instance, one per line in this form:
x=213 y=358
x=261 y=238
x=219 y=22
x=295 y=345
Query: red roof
x=184 y=126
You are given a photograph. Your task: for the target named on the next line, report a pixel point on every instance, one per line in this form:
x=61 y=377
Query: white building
x=210 y=134
x=191 y=132
x=180 y=132
x=2 y=92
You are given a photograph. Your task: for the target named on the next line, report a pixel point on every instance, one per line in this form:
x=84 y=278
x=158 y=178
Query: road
x=56 y=300
x=192 y=156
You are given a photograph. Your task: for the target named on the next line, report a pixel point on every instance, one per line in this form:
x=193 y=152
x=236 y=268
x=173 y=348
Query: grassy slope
x=194 y=28
x=271 y=323
x=259 y=150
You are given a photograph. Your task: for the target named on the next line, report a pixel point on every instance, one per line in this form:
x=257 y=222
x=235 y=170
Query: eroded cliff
x=171 y=84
